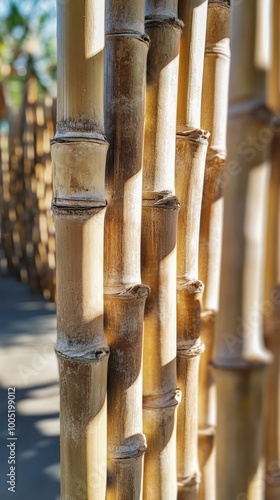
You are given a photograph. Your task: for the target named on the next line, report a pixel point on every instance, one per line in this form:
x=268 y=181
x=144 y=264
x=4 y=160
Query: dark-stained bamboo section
x=125 y=87
x=79 y=156
x=240 y=359
x=191 y=146
x=213 y=119
x=159 y=232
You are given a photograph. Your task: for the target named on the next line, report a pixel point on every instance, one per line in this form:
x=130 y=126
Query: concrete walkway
x=28 y=363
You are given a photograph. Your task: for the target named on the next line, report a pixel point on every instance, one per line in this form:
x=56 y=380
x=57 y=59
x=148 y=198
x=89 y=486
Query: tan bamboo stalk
x=191 y=146
x=273 y=87
x=271 y=310
x=125 y=86
x=159 y=229
x=79 y=156
x=213 y=119
x=240 y=358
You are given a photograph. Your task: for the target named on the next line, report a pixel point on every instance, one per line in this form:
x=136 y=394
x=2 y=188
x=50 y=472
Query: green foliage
x=27 y=45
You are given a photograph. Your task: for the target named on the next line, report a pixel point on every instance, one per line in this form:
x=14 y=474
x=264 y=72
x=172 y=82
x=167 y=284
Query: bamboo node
x=189 y=481
x=132 y=447
x=190 y=349
x=206 y=431
x=140 y=292
x=163 y=199
x=163 y=21
x=78 y=130
x=191 y=286
x=142 y=37
x=251 y=363
x=84 y=354
x=81 y=208
x=171 y=398
x=193 y=134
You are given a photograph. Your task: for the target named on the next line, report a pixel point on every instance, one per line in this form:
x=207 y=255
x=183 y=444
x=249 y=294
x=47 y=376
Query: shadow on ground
x=28 y=363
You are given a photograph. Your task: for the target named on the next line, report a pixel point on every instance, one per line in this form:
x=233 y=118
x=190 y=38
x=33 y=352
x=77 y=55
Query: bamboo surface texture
x=240 y=358
x=213 y=119
x=271 y=312
x=159 y=232
x=79 y=156
x=126 y=54
x=191 y=145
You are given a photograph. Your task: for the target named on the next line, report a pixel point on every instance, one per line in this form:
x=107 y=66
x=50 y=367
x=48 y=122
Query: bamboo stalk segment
x=240 y=358
x=126 y=59
x=191 y=146
x=271 y=312
x=273 y=86
x=79 y=156
x=159 y=230
x=214 y=119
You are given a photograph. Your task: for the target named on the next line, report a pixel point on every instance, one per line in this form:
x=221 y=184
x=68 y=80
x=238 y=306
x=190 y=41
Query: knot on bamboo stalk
x=132 y=447
x=158 y=21
x=222 y=3
x=185 y=483
x=136 y=35
x=81 y=353
x=163 y=200
x=171 y=398
x=191 y=286
x=193 y=134
x=138 y=292
x=189 y=349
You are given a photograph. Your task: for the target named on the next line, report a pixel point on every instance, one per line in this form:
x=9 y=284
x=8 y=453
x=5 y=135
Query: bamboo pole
x=214 y=119
x=79 y=155
x=191 y=145
x=240 y=358
x=271 y=312
x=273 y=86
x=126 y=58
x=159 y=229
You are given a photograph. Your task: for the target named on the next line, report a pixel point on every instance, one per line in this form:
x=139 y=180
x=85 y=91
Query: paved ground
x=28 y=363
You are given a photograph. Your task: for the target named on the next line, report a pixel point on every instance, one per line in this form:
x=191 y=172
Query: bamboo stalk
x=126 y=58
x=272 y=326
x=214 y=119
x=159 y=228
x=273 y=86
x=79 y=155
x=191 y=148
x=240 y=358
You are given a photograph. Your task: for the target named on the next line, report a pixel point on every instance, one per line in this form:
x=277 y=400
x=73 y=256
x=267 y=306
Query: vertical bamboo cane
x=272 y=278
x=214 y=119
x=126 y=58
x=271 y=311
x=273 y=87
x=79 y=157
x=240 y=359
x=159 y=228
x=191 y=148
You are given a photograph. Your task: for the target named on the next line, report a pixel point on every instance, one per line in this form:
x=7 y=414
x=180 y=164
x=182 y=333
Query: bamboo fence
x=165 y=244
x=26 y=219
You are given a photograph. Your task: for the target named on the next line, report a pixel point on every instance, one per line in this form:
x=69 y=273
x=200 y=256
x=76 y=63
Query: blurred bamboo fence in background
x=27 y=227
